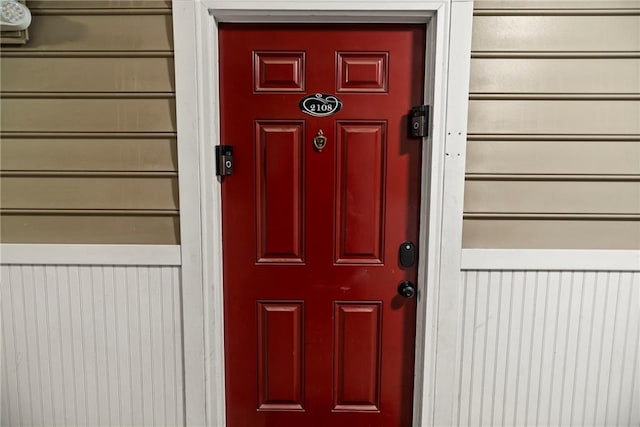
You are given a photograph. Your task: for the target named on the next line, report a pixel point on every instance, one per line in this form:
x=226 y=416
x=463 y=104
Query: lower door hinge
x=419 y=121
x=224 y=160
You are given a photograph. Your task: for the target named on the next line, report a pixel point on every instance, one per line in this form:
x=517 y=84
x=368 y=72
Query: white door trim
x=197 y=101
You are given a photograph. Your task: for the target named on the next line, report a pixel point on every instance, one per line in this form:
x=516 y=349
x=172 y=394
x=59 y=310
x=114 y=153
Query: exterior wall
x=101 y=343
x=548 y=348
x=91 y=345
x=88 y=126
x=553 y=157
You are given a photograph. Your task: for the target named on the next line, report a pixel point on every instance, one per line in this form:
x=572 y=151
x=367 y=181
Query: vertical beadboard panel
x=549 y=348
x=91 y=345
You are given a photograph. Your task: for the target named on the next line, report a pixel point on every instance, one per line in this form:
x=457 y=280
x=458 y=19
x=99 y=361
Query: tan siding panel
x=88 y=122
x=88 y=154
x=90 y=229
x=551 y=234
x=552 y=197
x=554 y=117
x=527 y=75
x=554 y=157
x=555 y=4
x=50 y=74
x=554 y=88
x=98 y=4
x=43 y=192
x=100 y=33
x=556 y=33
x=88 y=115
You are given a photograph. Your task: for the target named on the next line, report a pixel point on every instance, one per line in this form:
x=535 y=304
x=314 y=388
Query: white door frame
x=197 y=104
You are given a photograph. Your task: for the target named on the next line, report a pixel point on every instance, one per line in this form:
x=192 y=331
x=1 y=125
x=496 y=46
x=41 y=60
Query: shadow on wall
x=67 y=30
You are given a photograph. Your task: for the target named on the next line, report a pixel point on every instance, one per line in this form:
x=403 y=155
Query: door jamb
x=197 y=98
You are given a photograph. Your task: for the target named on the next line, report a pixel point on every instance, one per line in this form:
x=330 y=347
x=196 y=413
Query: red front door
x=316 y=333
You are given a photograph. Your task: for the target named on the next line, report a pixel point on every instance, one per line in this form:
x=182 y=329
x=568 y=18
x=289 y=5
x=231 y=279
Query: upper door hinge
x=224 y=160
x=419 y=121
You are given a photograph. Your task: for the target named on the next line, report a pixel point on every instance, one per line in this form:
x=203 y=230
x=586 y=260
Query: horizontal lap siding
x=101 y=153
x=99 y=4
x=532 y=32
x=553 y=156
x=88 y=126
x=555 y=75
x=90 y=192
x=592 y=117
x=88 y=115
x=132 y=227
x=562 y=197
x=55 y=74
x=118 y=30
x=540 y=232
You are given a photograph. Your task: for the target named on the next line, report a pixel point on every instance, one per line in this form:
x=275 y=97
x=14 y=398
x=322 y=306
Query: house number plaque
x=320 y=104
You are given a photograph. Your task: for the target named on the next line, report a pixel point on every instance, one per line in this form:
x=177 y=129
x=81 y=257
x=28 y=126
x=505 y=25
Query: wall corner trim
x=91 y=254
x=551 y=259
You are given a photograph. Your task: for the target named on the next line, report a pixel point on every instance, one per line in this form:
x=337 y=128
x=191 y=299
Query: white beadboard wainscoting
x=93 y=336
x=91 y=342
x=549 y=338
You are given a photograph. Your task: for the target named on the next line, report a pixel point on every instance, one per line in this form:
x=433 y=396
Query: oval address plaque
x=320 y=104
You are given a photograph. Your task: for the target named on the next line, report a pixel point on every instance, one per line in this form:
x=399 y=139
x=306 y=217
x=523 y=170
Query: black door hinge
x=224 y=160
x=419 y=121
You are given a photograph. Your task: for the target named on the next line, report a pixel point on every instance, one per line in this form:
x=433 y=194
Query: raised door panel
x=279 y=195
x=360 y=192
x=280 y=355
x=362 y=71
x=357 y=347
x=278 y=71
